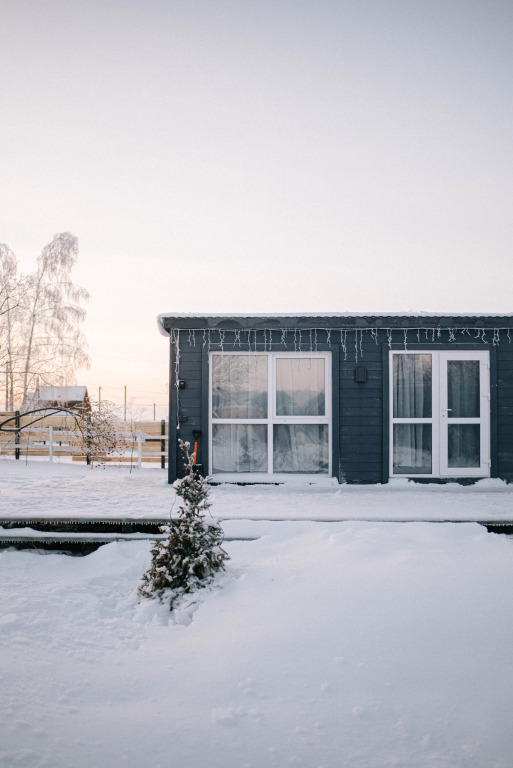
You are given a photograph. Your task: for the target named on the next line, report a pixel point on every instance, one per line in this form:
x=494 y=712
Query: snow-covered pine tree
x=192 y=553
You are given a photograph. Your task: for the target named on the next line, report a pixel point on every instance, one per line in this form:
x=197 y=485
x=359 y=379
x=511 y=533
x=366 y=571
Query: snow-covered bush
x=99 y=433
x=190 y=556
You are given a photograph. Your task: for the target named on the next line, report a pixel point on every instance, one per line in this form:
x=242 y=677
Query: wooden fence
x=52 y=437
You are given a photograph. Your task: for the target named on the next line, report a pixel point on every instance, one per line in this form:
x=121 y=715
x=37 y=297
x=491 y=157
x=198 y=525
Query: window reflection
x=300 y=386
x=412 y=449
x=239 y=386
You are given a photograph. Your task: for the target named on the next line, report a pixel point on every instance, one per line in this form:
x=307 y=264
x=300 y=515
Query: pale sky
x=264 y=156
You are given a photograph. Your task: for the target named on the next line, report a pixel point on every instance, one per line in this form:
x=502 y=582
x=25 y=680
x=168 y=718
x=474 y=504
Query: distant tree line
x=41 y=341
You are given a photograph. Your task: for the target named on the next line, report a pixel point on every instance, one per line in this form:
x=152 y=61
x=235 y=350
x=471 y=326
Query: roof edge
x=170 y=321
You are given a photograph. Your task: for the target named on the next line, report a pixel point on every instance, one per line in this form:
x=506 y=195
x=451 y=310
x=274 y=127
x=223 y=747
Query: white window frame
x=439 y=413
x=273 y=418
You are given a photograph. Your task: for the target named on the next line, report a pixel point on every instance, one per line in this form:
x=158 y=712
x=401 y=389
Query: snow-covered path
x=41 y=489
x=348 y=644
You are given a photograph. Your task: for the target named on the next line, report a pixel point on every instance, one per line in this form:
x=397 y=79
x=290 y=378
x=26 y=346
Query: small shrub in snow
x=190 y=556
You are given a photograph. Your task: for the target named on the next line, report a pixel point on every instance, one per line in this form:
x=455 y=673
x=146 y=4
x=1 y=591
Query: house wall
x=360 y=410
x=504 y=407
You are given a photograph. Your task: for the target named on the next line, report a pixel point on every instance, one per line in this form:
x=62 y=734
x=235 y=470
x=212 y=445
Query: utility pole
x=124 y=412
x=99 y=398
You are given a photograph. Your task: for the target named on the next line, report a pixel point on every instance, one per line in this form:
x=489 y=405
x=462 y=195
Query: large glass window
x=270 y=413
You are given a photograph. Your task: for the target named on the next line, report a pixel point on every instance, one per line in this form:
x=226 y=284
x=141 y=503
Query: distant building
x=53 y=397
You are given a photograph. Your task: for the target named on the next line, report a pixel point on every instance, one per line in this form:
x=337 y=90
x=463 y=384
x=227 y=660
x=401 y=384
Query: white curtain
x=300 y=386
x=239 y=448
x=412 y=449
x=412 y=381
x=301 y=448
x=412 y=386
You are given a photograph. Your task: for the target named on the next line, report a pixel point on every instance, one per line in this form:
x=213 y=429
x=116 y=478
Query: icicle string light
x=175 y=340
x=343 y=342
x=255 y=339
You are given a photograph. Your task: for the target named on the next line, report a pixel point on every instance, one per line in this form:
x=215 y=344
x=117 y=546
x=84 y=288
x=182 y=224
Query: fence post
x=50 y=438
x=17 y=435
x=139 y=450
x=163 y=444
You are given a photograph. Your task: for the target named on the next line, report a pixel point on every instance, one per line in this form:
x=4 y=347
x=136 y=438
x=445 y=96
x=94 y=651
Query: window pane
x=301 y=448
x=412 y=449
x=300 y=386
x=239 y=448
x=463 y=389
x=412 y=386
x=239 y=386
x=464 y=445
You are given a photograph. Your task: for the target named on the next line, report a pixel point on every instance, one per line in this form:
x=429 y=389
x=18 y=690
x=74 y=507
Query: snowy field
x=324 y=645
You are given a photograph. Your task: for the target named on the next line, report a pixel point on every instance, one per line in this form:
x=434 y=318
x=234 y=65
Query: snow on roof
x=277 y=315
x=62 y=394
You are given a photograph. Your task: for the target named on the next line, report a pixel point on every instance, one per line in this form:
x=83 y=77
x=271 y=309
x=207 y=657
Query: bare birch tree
x=13 y=291
x=41 y=334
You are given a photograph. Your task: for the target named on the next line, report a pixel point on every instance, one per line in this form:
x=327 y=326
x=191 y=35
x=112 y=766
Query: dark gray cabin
x=361 y=398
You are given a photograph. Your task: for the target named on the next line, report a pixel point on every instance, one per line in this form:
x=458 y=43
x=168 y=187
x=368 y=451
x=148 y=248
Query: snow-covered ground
x=359 y=644
x=71 y=491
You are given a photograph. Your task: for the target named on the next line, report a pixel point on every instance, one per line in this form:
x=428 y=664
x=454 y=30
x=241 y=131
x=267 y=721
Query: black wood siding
x=360 y=410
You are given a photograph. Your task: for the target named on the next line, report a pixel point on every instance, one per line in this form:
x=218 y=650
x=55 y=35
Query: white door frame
x=440 y=420
x=483 y=420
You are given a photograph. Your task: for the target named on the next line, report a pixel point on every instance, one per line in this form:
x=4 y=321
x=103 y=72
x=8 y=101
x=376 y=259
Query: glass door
x=440 y=414
x=413 y=426
x=464 y=414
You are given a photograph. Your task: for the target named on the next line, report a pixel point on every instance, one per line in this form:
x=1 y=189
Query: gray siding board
x=360 y=411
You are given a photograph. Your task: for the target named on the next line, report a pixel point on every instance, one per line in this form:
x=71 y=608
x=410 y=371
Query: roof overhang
x=171 y=321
